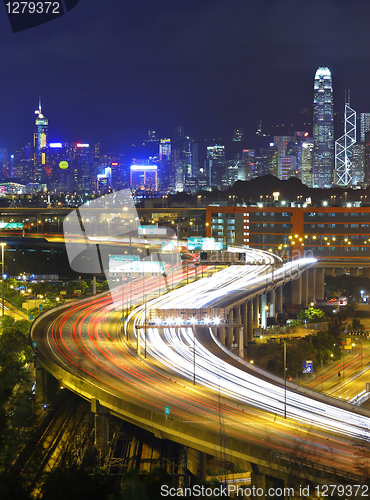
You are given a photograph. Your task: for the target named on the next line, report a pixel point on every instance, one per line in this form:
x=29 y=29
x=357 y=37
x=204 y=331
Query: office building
x=324 y=232
x=286 y=168
x=40 y=144
x=307 y=161
x=144 y=176
x=217 y=166
x=167 y=178
x=367 y=157
x=3 y=163
x=344 y=148
x=281 y=143
x=323 y=129
x=364 y=125
x=184 y=156
x=272 y=159
x=358 y=164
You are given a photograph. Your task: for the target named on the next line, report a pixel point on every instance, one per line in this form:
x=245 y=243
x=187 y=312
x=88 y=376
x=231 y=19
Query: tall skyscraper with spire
x=323 y=129
x=344 y=147
x=40 y=143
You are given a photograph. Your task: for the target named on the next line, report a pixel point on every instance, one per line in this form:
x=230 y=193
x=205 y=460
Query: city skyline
x=111 y=76
x=185 y=165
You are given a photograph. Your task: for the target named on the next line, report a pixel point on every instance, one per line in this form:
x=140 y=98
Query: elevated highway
x=231 y=410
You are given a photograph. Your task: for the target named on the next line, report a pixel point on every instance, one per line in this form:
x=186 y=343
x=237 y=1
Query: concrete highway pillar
x=239 y=330
x=249 y=337
x=202 y=466
x=272 y=303
x=260 y=485
x=296 y=290
x=340 y=271
x=280 y=299
x=100 y=425
x=263 y=311
x=366 y=272
x=330 y=271
x=354 y=271
x=245 y=320
x=320 y=282
x=230 y=329
x=41 y=387
x=255 y=311
x=237 y=314
x=138 y=333
x=305 y=289
x=222 y=335
x=311 y=285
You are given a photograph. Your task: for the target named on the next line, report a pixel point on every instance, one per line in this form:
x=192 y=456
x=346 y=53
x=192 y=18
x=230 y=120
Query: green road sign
x=34 y=344
x=166 y=410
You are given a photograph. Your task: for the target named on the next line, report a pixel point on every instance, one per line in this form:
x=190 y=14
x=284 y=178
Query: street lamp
x=3 y=245
x=193 y=320
x=347 y=242
x=284 y=379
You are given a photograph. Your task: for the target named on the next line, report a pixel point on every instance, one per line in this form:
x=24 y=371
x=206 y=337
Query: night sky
x=109 y=70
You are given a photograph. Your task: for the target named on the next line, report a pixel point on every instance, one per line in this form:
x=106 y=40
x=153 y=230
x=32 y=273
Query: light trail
x=87 y=340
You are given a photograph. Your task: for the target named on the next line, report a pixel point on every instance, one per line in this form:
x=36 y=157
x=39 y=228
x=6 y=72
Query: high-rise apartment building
x=323 y=129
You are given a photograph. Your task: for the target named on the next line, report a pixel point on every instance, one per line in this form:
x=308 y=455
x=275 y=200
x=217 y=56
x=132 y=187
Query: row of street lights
x=298 y=241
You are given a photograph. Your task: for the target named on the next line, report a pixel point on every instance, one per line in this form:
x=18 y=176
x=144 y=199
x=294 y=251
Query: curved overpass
x=230 y=411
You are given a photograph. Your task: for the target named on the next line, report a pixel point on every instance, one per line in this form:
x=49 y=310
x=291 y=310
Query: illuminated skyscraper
x=323 y=129
x=40 y=143
x=144 y=176
x=281 y=143
x=344 y=148
x=306 y=159
x=167 y=173
x=3 y=163
x=217 y=167
x=358 y=163
x=365 y=125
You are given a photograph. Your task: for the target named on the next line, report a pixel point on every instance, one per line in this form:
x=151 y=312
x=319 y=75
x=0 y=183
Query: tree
x=336 y=325
x=357 y=325
x=347 y=286
x=15 y=353
x=311 y=315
